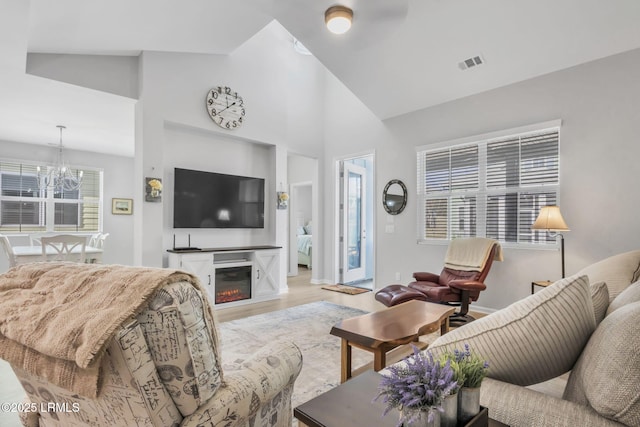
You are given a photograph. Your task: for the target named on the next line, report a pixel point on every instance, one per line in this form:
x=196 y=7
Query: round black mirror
x=394 y=197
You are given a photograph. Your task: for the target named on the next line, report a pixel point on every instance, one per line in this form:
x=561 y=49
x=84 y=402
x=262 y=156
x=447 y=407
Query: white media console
x=233 y=276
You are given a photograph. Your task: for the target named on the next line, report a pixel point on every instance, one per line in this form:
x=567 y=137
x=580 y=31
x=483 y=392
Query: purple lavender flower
x=418 y=384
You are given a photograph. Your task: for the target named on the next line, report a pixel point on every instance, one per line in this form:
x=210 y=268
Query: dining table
x=25 y=254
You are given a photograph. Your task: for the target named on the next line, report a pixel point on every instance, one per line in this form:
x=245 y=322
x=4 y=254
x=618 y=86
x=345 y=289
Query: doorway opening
x=356 y=195
x=303 y=243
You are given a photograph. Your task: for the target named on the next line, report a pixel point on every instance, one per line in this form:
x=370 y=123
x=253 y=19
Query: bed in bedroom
x=304 y=246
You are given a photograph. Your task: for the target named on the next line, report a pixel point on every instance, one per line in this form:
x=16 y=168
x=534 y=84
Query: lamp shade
x=338 y=19
x=550 y=219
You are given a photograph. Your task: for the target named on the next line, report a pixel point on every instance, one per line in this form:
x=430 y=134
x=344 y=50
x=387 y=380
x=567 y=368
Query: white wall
x=118 y=175
x=283 y=95
x=599 y=104
x=220 y=154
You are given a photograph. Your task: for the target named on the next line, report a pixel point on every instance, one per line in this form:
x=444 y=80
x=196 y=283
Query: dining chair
x=96 y=241
x=64 y=247
x=100 y=241
x=8 y=250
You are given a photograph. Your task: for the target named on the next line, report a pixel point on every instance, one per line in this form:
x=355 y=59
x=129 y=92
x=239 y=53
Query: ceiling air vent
x=471 y=62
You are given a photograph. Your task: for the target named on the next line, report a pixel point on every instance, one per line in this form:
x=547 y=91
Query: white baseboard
x=321 y=282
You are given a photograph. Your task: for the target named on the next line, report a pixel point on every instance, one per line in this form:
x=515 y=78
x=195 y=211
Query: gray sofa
x=588 y=325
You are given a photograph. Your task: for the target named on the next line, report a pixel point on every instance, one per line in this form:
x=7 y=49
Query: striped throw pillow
x=534 y=339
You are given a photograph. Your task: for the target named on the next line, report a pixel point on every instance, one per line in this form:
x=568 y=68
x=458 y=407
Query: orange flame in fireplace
x=231 y=295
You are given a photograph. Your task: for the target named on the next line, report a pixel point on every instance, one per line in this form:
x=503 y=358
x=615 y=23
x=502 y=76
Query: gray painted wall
x=599 y=105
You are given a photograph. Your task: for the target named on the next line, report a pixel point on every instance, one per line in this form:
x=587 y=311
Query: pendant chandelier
x=59 y=178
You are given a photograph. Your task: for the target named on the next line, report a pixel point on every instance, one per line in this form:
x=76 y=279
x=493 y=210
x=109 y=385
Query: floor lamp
x=550 y=219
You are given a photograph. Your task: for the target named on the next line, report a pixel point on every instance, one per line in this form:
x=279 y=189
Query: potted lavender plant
x=417 y=387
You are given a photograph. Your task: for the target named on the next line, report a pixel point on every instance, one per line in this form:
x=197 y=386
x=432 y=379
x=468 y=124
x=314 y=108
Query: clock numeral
x=221 y=120
x=240 y=120
x=209 y=101
x=235 y=124
x=213 y=112
x=241 y=103
x=242 y=112
x=214 y=94
x=219 y=89
x=227 y=90
x=227 y=125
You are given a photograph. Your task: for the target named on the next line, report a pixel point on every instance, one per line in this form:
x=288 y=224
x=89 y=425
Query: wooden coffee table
x=384 y=330
x=350 y=405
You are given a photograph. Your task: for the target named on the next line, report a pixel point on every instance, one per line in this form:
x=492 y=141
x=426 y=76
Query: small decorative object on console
x=225 y=107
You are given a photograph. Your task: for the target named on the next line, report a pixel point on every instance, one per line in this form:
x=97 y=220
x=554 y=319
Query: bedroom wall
x=599 y=105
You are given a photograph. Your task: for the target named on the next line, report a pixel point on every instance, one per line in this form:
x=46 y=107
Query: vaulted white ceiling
x=400 y=55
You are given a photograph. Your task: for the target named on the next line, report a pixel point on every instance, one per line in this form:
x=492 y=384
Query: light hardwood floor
x=301 y=291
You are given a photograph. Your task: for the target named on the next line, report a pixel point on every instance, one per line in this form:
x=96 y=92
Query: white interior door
x=354 y=231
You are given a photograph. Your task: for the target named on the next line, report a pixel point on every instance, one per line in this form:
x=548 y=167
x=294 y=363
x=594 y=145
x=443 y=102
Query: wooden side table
x=384 y=330
x=541 y=283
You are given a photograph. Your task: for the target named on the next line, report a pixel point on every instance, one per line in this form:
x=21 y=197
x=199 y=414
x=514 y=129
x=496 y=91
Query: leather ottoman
x=397 y=294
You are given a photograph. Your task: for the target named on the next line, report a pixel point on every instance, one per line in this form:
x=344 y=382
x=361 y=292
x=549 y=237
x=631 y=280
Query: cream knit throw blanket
x=57 y=318
x=471 y=254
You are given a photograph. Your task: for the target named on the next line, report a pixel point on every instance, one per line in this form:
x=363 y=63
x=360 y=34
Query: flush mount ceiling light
x=338 y=19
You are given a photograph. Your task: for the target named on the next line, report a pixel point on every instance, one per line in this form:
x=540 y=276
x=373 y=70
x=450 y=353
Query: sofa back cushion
x=606 y=374
x=628 y=296
x=181 y=340
x=600 y=299
x=617 y=271
x=534 y=339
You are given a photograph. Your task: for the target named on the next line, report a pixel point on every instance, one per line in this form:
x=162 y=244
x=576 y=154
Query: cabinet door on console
x=267 y=266
x=201 y=266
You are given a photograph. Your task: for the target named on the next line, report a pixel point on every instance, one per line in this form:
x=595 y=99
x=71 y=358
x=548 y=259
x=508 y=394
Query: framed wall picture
x=121 y=206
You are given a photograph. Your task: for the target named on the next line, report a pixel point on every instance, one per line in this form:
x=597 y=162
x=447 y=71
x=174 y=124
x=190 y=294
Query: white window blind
x=27 y=206
x=491 y=187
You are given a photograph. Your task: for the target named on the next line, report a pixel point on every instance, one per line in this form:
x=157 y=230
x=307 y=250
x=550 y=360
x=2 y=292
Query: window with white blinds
x=27 y=206
x=492 y=187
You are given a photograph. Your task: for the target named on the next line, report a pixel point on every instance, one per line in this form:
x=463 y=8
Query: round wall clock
x=225 y=107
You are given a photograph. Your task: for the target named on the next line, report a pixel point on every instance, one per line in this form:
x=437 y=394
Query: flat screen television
x=214 y=200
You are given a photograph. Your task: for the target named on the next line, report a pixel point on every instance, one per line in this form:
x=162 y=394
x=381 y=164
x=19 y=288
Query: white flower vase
x=468 y=403
x=422 y=419
x=449 y=416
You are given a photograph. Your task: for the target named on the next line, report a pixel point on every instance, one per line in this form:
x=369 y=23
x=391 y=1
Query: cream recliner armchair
x=162 y=368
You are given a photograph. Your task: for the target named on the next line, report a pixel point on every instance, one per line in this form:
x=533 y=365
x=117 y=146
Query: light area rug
x=308 y=326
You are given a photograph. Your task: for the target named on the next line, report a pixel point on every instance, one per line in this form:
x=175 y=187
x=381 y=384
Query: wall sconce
x=283 y=199
x=338 y=19
x=550 y=219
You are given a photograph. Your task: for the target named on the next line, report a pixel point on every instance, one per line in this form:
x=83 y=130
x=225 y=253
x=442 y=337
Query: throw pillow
x=606 y=375
x=534 y=339
x=308 y=229
x=628 y=296
x=618 y=271
x=600 y=298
